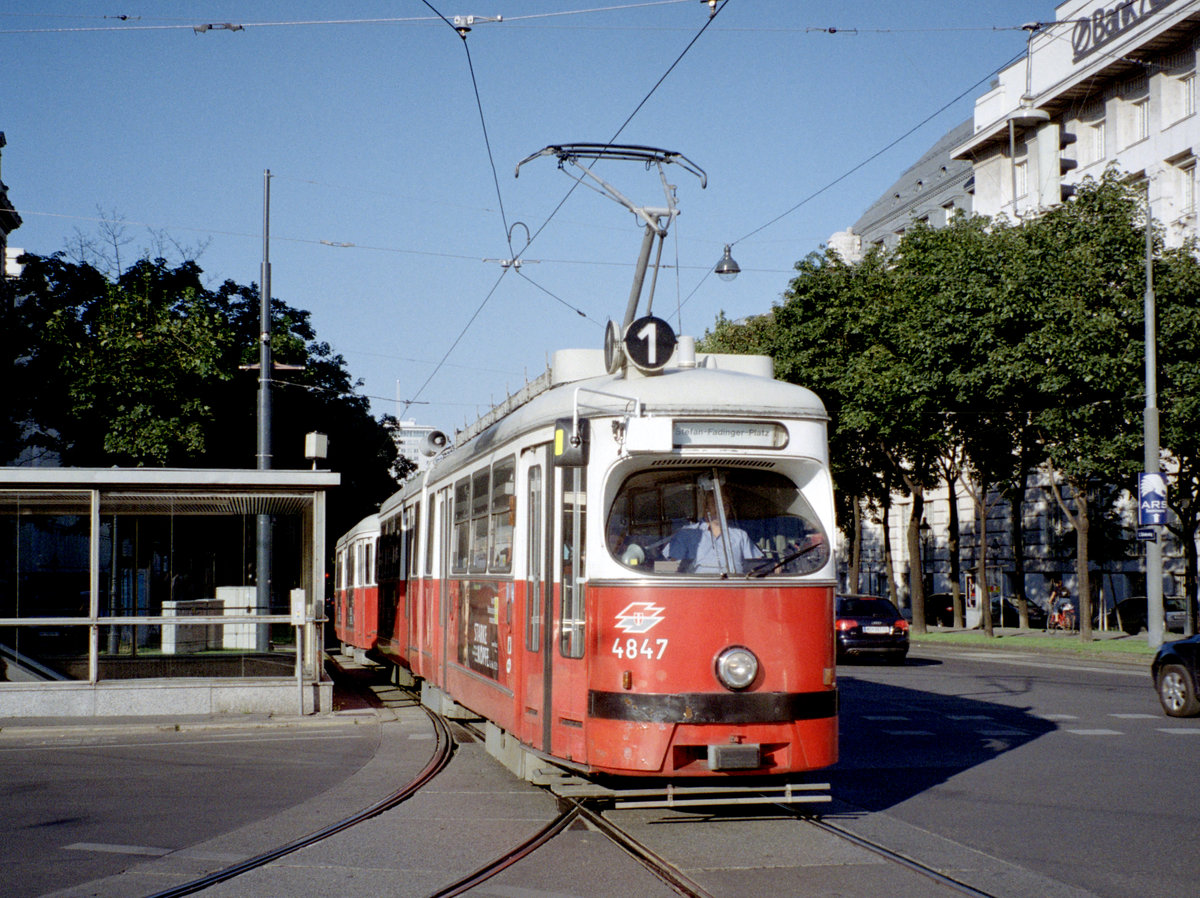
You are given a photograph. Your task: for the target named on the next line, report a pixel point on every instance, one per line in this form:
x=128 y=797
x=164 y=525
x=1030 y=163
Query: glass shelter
x=134 y=591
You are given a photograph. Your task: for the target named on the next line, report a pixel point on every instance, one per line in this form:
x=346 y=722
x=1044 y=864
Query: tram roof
x=715 y=387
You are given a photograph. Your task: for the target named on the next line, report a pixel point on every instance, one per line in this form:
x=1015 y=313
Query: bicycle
x=1062 y=618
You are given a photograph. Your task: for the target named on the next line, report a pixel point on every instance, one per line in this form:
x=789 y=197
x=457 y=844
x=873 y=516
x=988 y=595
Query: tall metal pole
x=1154 y=596
x=263 y=524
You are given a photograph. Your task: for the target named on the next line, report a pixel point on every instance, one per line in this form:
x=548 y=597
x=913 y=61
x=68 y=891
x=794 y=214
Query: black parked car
x=1175 y=670
x=1010 y=616
x=1130 y=614
x=867 y=625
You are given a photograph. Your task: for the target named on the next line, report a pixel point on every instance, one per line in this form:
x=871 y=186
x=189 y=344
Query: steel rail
x=443 y=752
x=656 y=865
x=903 y=860
x=520 y=852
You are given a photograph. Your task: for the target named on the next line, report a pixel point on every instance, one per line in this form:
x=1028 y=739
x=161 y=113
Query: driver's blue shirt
x=694 y=543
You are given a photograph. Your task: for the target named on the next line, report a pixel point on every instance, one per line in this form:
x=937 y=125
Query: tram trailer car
x=356 y=588
x=627 y=573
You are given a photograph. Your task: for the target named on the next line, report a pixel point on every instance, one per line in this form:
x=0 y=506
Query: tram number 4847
x=631 y=648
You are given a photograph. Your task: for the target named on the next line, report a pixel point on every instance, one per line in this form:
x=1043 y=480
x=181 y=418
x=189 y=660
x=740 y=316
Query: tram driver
x=709 y=545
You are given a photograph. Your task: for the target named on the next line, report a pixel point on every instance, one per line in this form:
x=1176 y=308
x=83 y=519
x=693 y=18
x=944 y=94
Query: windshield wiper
x=773 y=566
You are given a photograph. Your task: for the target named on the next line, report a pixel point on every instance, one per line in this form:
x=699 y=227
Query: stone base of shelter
x=165 y=698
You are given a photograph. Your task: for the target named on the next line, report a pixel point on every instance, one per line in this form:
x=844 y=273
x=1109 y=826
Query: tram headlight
x=736 y=667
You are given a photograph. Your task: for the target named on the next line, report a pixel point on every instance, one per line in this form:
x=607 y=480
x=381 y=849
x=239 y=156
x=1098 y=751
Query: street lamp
x=727 y=269
x=1150 y=438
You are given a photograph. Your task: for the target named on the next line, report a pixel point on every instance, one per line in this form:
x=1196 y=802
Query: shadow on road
x=896 y=742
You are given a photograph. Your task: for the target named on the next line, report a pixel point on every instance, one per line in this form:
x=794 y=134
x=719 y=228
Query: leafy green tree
x=151 y=368
x=1177 y=292
x=1089 y=343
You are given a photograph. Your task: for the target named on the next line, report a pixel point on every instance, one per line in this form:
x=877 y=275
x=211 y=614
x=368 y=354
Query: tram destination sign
x=741 y=434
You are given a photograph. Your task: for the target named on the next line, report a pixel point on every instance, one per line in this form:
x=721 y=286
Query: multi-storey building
x=1109 y=82
x=9 y=221
x=932 y=190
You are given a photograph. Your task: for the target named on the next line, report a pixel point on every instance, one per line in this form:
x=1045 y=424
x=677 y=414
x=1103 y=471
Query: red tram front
x=628 y=574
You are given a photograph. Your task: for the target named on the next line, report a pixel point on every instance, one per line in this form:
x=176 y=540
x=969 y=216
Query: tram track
x=931 y=873
x=572 y=812
x=442 y=754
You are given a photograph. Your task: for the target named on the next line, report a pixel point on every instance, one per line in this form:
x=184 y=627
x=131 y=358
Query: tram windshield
x=716 y=522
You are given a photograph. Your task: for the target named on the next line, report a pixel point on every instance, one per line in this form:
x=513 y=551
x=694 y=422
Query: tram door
x=442 y=601
x=536 y=587
x=566 y=635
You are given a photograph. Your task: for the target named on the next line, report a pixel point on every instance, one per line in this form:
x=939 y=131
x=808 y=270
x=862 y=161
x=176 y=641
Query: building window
x=1021 y=177
x=1096 y=141
x=949 y=210
x=1186 y=186
x=1179 y=98
x=1139 y=123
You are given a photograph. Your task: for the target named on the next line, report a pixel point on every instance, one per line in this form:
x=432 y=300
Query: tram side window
x=504 y=476
x=429 y=537
x=411 y=536
x=462 y=525
x=479 y=521
x=713 y=521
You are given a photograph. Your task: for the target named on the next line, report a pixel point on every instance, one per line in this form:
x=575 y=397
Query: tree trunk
x=985 y=596
x=1017 y=540
x=852 y=575
x=1078 y=519
x=1082 y=577
x=889 y=566
x=916 y=575
x=952 y=546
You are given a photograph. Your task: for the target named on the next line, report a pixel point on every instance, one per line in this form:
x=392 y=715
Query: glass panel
x=674 y=522
x=43 y=654
x=129 y=652
x=533 y=627
x=574 y=506
x=44 y=554
x=462 y=525
x=479 y=521
x=504 y=476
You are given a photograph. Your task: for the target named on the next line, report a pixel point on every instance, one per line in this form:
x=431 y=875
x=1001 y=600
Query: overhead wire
x=515 y=256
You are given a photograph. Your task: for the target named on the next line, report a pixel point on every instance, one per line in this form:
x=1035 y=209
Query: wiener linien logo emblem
x=639 y=617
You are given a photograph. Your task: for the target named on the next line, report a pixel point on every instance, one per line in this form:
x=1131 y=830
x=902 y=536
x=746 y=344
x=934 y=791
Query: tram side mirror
x=571 y=447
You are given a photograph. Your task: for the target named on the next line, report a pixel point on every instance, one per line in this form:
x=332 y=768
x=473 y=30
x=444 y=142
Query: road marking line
x=1095 y=732
x=1135 y=716
x=878 y=718
x=145 y=850
x=908 y=732
x=1058 y=716
x=1180 y=731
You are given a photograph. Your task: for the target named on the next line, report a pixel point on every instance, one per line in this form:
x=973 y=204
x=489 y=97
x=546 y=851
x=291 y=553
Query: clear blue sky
x=366 y=115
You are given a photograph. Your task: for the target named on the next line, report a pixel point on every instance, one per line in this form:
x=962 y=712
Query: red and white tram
x=626 y=567
x=356 y=586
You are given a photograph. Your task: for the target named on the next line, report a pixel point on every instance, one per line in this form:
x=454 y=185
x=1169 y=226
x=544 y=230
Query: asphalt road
x=1068 y=769
x=1039 y=776
x=86 y=801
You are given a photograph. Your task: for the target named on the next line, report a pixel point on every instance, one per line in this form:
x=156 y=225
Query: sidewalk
x=1111 y=645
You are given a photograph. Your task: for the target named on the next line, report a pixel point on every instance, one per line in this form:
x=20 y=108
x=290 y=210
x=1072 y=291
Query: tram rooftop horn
x=433 y=443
